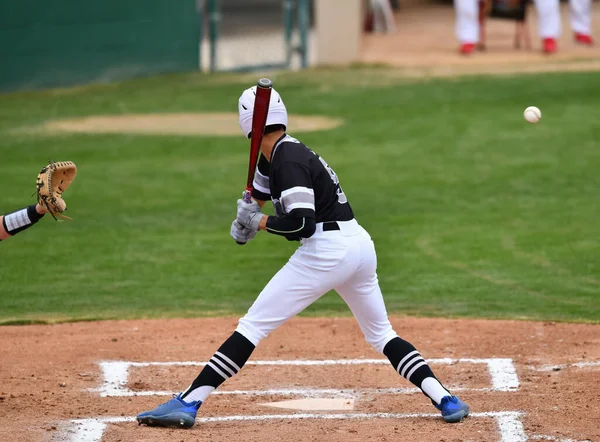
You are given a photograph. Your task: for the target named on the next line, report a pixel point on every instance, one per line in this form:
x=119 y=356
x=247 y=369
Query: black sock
x=407 y=361
x=226 y=362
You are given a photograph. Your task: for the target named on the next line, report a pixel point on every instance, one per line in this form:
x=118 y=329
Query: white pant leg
x=467 y=20
x=363 y=295
x=580 y=12
x=548 y=16
x=313 y=270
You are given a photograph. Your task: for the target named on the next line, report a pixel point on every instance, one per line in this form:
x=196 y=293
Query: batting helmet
x=277 y=111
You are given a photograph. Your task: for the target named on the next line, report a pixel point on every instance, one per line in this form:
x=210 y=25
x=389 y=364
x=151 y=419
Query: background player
x=550 y=27
x=548 y=18
x=19 y=220
x=335 y=253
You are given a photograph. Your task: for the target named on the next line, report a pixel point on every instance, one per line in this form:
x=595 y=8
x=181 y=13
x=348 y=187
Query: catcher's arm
x=19 y=220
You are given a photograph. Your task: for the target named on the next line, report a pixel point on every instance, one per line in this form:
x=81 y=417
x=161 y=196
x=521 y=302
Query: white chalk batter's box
x=501 y=373
x=116 y=376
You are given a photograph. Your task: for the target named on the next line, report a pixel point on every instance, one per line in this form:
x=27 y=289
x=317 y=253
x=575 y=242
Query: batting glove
x=240 y=233
x=249 y=215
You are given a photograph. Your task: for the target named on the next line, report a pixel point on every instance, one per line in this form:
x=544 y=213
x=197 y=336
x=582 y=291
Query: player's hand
x=249 y=215
x=252 y=206
x=240 y=233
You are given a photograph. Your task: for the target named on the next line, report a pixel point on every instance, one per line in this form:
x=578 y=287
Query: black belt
x=330 y=225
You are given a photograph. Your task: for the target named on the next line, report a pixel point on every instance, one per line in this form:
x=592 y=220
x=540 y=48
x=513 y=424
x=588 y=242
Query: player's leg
x=580 y=13
x=363 y=295
x=288 y=293
x=304 y=279
x=467 y=24
x=549 y=25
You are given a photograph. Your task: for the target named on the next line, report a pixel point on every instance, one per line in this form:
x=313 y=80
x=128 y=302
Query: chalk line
x=510 y=428
x=302 y=392
x=509 y=425
x=116 y=373
x=558 y=367
x=557 y=439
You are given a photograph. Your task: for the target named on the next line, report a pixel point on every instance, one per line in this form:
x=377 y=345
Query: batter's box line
x=557 y=367
x=557 y=439
x=509 y=424
x=347 y=393
x=116 y=373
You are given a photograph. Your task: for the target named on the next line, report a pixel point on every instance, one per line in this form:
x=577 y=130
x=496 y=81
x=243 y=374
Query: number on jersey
x=340 y=193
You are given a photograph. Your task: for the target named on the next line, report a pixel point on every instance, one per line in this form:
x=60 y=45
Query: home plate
x=312 y=404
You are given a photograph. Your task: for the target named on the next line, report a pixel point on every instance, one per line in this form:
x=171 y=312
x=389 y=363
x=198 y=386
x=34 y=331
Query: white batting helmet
x=277 y=111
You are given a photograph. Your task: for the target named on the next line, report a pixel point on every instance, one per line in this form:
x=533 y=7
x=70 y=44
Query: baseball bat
x=259 y=121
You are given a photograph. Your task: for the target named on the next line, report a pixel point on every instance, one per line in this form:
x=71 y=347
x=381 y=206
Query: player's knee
x=251 y=331
x=379 y=341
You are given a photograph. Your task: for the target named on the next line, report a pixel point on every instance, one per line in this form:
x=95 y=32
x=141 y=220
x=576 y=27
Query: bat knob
x=265 y=83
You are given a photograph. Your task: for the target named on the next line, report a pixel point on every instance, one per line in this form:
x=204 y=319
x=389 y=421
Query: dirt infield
x=523 y=380
x=216 y=124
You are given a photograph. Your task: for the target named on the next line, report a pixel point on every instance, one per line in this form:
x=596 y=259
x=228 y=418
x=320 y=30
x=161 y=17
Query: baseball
x=532 y=114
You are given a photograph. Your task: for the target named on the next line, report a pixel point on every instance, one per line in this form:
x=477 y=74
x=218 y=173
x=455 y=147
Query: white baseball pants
x=548 y=18
x=549 y=22
x=580 y=12
x=467 y=21
x=342 y=260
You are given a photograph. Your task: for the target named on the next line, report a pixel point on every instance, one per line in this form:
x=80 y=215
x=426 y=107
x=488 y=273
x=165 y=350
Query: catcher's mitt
x=52 y=181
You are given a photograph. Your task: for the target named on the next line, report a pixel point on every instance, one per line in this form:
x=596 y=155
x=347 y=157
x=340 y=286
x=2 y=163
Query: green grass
x=474 y=212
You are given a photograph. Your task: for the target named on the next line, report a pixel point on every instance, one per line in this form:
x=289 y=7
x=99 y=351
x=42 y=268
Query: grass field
x=474 y=212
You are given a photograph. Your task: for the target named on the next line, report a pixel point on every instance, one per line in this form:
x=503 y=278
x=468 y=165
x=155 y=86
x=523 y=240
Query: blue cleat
x=175 y=413
x=453 y=409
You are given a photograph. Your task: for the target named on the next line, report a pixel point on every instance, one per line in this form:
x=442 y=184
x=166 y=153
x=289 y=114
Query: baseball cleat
x=549 y=45
x=467 y=48
x=453 y=409
x=584 y=39
x=175 y=413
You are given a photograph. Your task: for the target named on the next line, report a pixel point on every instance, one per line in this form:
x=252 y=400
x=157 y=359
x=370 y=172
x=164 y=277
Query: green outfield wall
x=68 y=42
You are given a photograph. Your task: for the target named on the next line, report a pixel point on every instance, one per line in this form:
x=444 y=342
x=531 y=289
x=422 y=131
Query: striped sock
x=225 y=363
x=409 y=363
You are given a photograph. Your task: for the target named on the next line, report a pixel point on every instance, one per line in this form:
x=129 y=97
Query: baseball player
x=549 y=23
x=19 y=220
x=335 y=253
x=470 y=16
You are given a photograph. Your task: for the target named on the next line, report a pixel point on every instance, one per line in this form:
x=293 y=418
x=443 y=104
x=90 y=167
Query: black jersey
x=300 y=183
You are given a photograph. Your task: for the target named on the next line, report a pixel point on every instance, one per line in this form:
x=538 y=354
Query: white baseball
x=532 y=114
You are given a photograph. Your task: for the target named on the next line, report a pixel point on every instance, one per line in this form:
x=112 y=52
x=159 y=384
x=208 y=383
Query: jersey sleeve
x=297 y=194
x=260 y=185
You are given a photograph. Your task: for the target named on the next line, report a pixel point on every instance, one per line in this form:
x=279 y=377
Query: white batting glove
x=249 y=214
x=251 y=206
x=240 y=233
